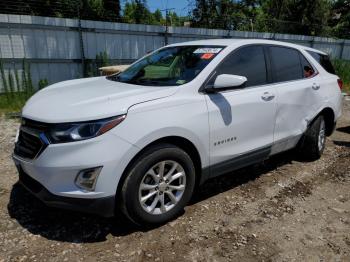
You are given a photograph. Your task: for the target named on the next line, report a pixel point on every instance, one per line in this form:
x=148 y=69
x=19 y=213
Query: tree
x=128 y=13
x=281 y=16
x=340 y=19
x=112 y=9
x=224 y=14
x=158 y=17
x=137 y=12
x=102 y=10
x=173 y=19
x=92 y=9
x=294 y=16
x=316 y=17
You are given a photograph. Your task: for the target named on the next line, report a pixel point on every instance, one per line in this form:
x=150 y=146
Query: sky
x=181 y=6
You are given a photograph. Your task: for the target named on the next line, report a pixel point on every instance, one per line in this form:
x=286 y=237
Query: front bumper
x=101 y=206
x=51 y=176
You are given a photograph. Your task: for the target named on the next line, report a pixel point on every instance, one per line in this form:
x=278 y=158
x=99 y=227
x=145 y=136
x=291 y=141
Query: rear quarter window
x=308 y=70
x=324 y=61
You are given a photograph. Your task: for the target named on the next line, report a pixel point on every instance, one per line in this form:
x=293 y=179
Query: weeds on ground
x=92 y=66
x=18 y=88
x=342 y=68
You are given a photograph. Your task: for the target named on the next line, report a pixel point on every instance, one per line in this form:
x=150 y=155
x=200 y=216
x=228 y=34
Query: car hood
x=88 y=99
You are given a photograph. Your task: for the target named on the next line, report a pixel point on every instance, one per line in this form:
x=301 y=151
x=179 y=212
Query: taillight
x=340 y=83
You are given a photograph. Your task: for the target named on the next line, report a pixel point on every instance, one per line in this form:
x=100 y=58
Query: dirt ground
x=279 y=210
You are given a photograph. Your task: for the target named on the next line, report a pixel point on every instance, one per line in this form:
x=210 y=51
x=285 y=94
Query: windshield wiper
x=114 y=77
x=135 y=81
x=143 y=81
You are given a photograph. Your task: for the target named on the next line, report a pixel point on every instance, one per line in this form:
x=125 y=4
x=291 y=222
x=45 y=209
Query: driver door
x=241 y=120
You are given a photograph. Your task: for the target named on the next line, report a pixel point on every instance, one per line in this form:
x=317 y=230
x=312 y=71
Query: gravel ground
x=279 y=210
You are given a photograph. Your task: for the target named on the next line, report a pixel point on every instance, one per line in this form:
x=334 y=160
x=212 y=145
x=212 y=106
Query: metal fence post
x=342 y=49
x=81 y=42
x=166 y=28
x=312 y=42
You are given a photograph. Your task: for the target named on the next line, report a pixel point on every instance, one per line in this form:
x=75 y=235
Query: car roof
x=240 y=42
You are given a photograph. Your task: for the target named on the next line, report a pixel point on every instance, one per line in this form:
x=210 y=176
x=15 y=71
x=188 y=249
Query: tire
x=314 y=140
x=144 y=206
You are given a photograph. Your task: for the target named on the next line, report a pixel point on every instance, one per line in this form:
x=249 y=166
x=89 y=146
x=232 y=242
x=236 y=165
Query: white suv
x=141 y=140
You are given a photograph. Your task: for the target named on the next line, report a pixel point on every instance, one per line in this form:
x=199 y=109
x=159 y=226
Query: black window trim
x=213 y=73
x=321 y=54
x=268 y=64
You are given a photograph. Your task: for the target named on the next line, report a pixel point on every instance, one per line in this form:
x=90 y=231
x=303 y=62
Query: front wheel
x=159 y=185
x=314 y=140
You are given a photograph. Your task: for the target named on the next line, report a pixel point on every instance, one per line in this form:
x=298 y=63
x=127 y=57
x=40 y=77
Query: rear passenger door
x=297 y=87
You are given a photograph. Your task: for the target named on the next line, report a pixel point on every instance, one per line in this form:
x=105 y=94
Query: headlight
x=62 y=133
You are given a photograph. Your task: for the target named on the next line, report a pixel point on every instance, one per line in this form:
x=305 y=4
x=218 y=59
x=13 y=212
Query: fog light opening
x=87 y=178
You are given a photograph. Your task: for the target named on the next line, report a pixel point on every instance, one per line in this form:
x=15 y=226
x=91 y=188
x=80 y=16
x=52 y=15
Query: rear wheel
x=314 y=140
x=159 y=185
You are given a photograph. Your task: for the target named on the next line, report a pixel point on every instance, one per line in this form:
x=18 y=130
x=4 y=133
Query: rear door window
x=324 y=61
x=285 y=64
x=247 y=61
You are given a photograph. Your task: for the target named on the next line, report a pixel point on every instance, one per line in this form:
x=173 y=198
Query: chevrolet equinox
x=141 y=140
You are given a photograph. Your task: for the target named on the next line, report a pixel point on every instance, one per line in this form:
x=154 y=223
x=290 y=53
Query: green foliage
x=101 y=10
x=93 y=65
x=224 y=14
x=27 y=84
x=16 y=90
x=11 y=84
x=317 y=17
x=175 y=20
x=136 y=12
x=342 y=68
x=95 y=8
x=112 y=9
x=295 y=17
x=43 y=83
x=158 y=17
x=4 y=81
x=340 y=21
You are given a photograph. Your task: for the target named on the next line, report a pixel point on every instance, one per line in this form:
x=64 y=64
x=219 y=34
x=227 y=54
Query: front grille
x=29 y=144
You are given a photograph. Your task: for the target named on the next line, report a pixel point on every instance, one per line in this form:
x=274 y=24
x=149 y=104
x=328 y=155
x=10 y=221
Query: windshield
x=169 y=66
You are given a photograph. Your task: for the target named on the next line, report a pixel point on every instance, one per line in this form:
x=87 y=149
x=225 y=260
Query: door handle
x=267 y=96
x=315 y=86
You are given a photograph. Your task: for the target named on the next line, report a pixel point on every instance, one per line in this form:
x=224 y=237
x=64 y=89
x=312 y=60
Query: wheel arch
x=329 y=117
x=178 y=141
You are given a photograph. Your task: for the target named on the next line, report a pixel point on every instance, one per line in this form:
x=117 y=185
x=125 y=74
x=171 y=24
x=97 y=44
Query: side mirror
x=226 y=81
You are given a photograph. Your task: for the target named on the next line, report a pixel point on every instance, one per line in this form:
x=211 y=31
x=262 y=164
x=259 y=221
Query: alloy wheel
x=321 y=135
x=162 y=187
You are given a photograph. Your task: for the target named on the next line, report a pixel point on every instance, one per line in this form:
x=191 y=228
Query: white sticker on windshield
x=180 y=82
x=204 y=50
